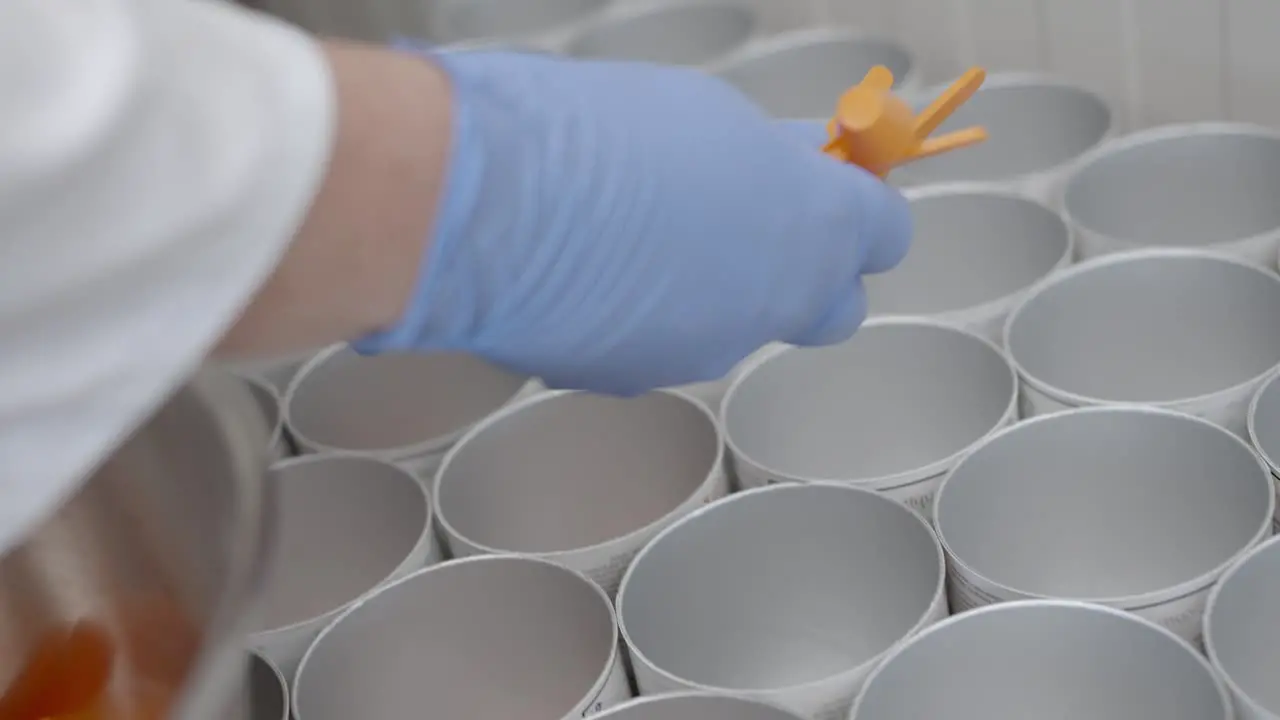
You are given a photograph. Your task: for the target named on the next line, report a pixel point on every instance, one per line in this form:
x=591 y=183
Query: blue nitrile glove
x=618 y=227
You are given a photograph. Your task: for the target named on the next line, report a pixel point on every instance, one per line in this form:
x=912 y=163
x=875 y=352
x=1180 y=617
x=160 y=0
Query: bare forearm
x=353 y=264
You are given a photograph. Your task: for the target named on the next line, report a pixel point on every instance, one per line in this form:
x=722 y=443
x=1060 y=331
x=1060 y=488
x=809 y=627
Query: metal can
x=346 y=525
x=1038 y=658
x=1210 y=186
x=406 y=409
x=1135 y=508
x=1187 y=330
x=580 y=479
x=1039 y=128
x=788 y=594
x=1241 y=635
x=891 y=409
x=1005 y=243
x=485 y=637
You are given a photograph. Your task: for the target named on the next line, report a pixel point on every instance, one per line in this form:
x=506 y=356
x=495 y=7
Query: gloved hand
x=618 y=227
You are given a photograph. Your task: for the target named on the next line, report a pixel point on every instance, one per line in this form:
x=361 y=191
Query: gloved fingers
x=840 y=322
x=810 y=133
x=884 y=219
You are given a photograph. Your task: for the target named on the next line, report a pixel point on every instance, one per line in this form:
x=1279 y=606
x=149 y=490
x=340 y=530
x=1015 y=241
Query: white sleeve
x=156 y=157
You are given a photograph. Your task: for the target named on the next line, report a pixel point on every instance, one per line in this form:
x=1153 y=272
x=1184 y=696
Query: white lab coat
x=156 y=157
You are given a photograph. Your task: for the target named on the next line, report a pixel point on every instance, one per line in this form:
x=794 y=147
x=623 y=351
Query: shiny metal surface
x=1132 y=507
x=1005 y=243
x=801 y=74
x=485 y=637
x=1264 y=429
x=1107 y=330
x=582 y=479
x=459 y=20
x=695 y=706
x=674 y=32
x=788 y=593
x=395 y=407
x=1210 y=185
x=1044 y=659
x=894 y=405
x=345 y=525
x=1035 y=124
x=268 y=692
x=1242 y=636
x=162 y=548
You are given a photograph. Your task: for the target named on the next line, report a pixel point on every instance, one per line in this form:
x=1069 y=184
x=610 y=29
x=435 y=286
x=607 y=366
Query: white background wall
x=1157 y=60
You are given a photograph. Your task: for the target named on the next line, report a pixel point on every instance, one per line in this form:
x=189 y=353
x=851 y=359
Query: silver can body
x=1005 y=242
x=891 y=409
x=406 y=409
x=1135 y=508
x=484 y=637
x=1039 y=658
x=753 y=596
x=1241 y=635
x=1208 y=186
x=1124 y=329
x=801 y=74
x=346 y=526
x=582 y=480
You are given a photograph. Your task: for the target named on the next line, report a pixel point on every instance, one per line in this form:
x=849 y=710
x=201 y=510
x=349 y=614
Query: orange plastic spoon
x=878 y=131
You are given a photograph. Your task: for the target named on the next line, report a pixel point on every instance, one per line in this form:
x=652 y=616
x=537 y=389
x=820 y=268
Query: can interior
x=574 y=470
x=1031 y=128
x=804 y=80
x=969 y=249
x=494 y=638
x=351 y=402
x=1150 y=329
x=1187 y=190
x=1104 y=504
x=696 y=707
x=467 y=19
x=894 y=398
x=781 y=587
x=343 y=526
x=268 y=698
x=1242 y=629
x=676 y=35
x=1037 y=661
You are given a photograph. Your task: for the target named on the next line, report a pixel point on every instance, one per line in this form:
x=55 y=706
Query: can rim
x=1153 y=136
x=1129 y=603
x=596 y=687
x=424 y=539
x=891 y=481
x=396 y=453
x=1145 y=254
x=715 y=470
x=1076 y=605
x=1014 y=80
x=1210 y=646
x=989 y=189
x=938 y=595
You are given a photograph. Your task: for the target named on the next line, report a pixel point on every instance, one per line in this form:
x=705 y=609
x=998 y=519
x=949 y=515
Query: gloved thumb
x=839 y=322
